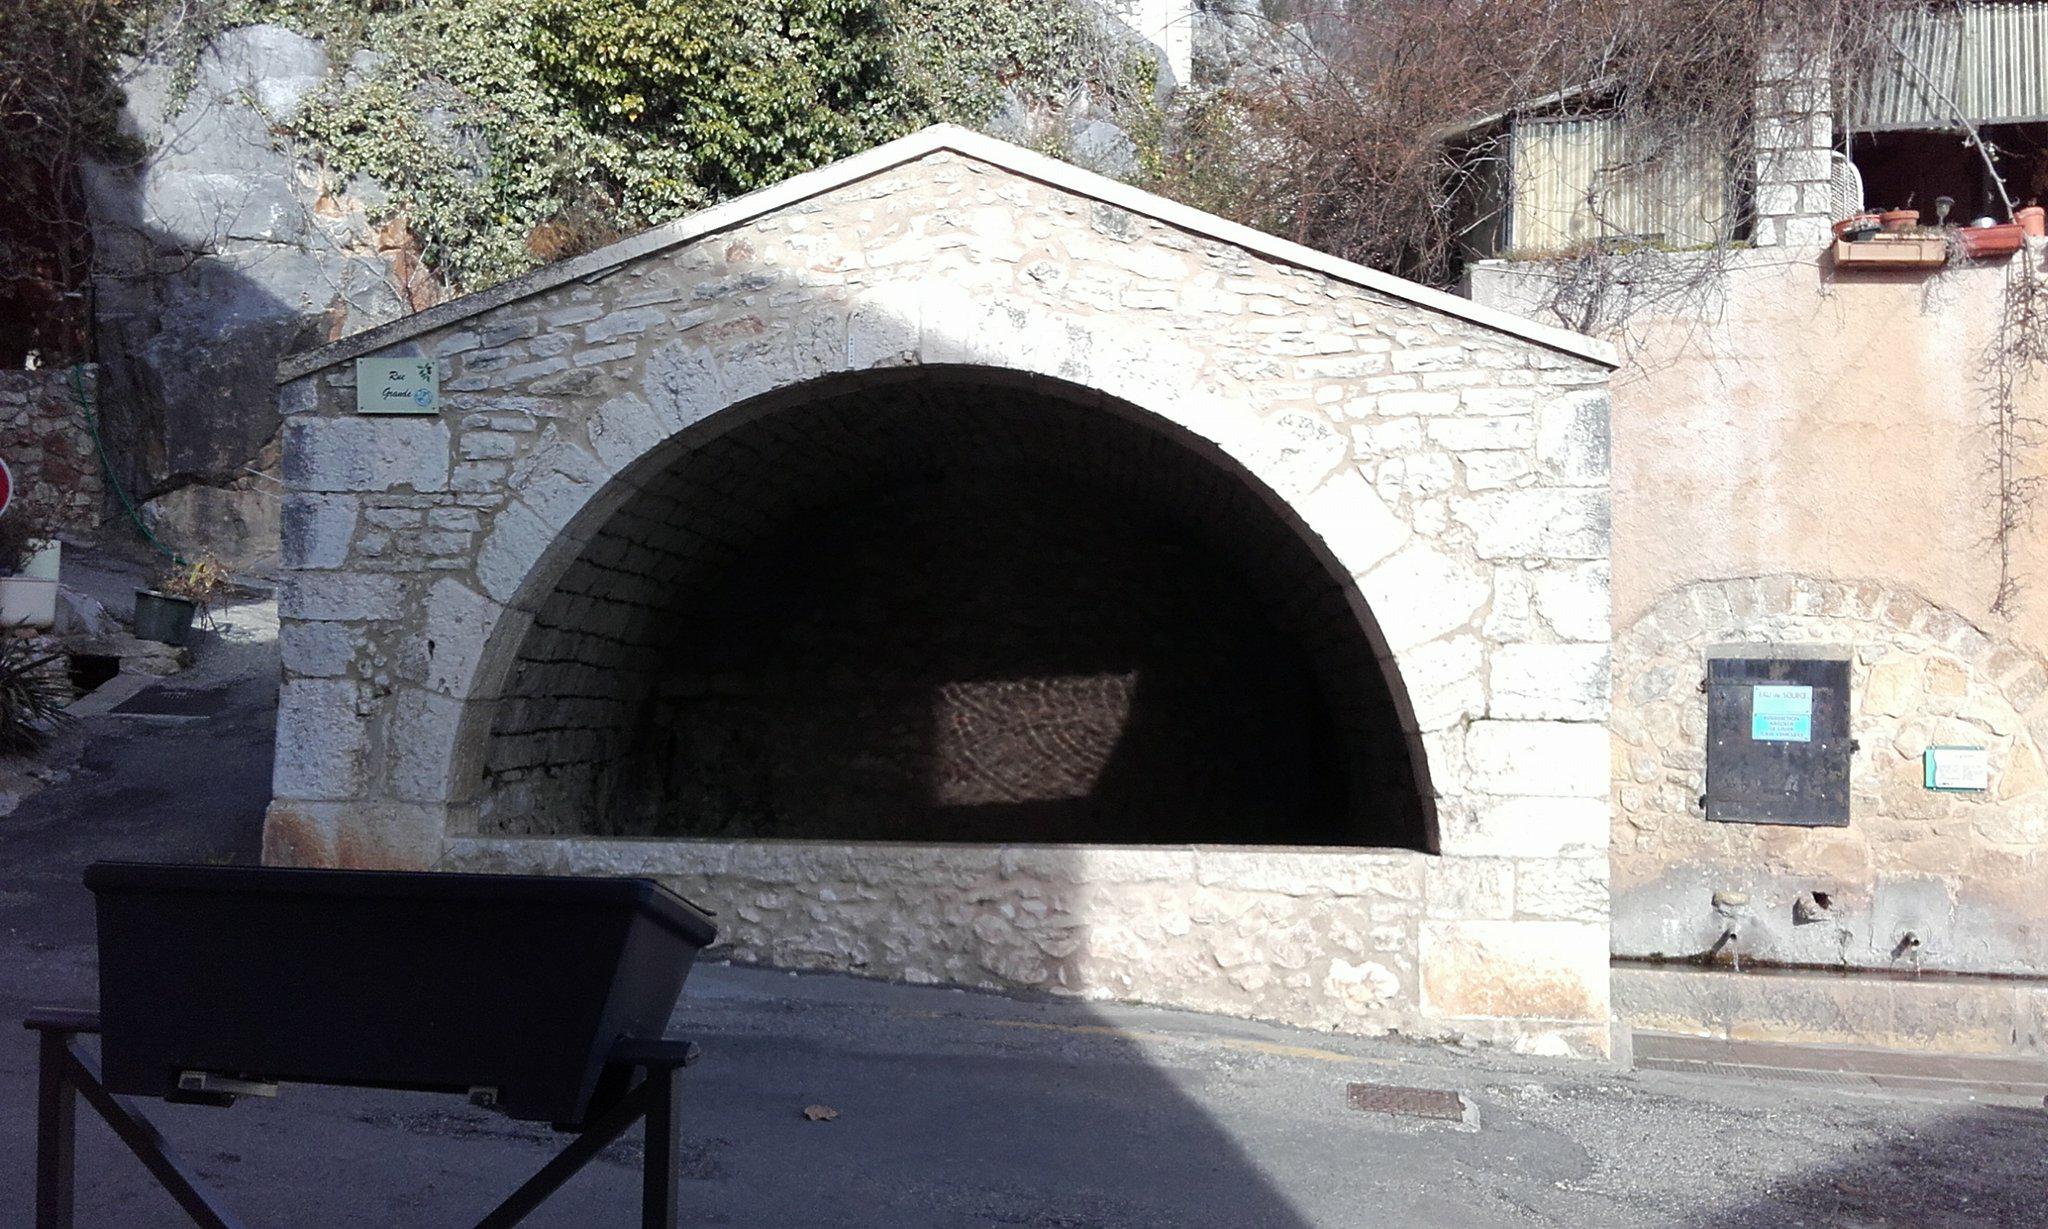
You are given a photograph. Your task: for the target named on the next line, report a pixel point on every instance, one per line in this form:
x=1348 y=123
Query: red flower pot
x=2004 y=239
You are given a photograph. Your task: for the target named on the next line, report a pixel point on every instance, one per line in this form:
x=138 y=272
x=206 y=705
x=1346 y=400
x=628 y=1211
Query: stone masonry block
x=316 y=650
x=1353 y=522
x=1422 y=592
x=1572 y=438
x=322 y=741
x=459 y=624
x=1542 y=970
x=1545 y=759
x=1478 y=826
x=1562 y=682
x=1564 y=889
x=341 y=597
x=366 y=454
x=317 y=529
x=1537 y=523
x=1574 y=600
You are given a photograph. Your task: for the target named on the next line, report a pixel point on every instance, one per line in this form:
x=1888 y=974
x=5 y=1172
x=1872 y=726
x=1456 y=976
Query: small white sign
x=1958 y=768
x=404 y=385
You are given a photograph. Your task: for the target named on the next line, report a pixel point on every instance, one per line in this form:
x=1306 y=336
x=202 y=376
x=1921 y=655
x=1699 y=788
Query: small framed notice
x=1957 y=770
x=1781 y=713
x=402 y=385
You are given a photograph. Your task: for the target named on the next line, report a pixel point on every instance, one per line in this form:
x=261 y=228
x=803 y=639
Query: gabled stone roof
x=967 y=144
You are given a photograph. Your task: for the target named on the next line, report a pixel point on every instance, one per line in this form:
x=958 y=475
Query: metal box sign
x=1958 y=770
x=1778 y=746
x=403 y=385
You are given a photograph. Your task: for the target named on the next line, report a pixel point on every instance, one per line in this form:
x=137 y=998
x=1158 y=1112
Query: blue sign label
x=1781 y=713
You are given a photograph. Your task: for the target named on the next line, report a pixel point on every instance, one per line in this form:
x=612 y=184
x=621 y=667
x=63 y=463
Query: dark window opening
x=1913 y=170
x=941 y=611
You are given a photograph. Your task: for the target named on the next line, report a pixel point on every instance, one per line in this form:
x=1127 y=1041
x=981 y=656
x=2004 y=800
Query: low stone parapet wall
x=1350 y=941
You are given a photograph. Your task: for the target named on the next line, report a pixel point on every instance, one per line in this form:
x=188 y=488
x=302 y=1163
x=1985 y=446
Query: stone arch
x=585 y=485
x=1444 y=464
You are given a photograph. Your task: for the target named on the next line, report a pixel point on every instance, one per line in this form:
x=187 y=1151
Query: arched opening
x=947 y=605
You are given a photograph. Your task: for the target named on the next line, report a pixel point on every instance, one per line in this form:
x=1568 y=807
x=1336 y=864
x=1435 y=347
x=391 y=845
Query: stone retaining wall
x=46 y=440
x=1961 y=873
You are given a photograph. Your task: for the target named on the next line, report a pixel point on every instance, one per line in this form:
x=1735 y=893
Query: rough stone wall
x=1317 y=939
x=1455 y=475
x=46 y=440
x=1959 y=872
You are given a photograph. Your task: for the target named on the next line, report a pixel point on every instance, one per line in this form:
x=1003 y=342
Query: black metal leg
x=56 y=1135
x=64 y=1075
x=565 y=1164
x=143 y=1139
x=658 y=1169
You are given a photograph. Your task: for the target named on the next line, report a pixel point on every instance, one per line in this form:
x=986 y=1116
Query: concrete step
x=1928 y=1014
x=1975 y=1077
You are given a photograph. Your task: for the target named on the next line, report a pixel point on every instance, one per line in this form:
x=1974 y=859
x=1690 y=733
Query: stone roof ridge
x=969 y=144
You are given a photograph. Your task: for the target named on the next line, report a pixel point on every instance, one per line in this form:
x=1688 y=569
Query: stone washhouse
x=953 y=566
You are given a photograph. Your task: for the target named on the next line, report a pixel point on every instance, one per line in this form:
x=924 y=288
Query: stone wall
x=1446 y=466
x=1795 y=142
x=46 y=440
x=1802 y=458
x=1959 y=873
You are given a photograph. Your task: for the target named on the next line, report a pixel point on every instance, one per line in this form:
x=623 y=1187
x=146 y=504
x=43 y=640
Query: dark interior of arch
x=941 y=608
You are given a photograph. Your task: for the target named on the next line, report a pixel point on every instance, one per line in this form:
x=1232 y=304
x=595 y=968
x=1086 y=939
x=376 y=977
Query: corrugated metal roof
x=1577 y=180
x=1988 y=61
x=2004 y=76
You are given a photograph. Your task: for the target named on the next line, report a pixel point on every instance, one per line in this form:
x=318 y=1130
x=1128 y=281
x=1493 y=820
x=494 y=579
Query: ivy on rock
x=510 y=132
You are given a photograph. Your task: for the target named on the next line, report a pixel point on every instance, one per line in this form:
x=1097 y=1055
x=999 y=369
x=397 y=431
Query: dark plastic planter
x=512 y=983
x=163 y=618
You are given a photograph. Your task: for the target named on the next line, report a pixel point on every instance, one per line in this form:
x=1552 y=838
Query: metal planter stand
x=65 y=1073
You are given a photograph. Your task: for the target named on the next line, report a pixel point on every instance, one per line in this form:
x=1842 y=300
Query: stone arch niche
x=950 y=605
x=1182 y=615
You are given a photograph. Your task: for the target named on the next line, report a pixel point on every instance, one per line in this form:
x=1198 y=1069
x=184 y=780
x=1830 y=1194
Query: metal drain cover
x=1433 y=1103
x=170 y=702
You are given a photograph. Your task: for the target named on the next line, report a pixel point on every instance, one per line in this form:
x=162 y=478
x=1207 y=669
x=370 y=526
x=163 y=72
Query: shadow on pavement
x=1980 y=1167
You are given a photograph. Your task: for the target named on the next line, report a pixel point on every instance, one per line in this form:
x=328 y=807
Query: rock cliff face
x=215 y=257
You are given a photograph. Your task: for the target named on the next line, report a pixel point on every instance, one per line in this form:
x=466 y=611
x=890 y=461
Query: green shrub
x=752 y=90
x=512 y=131
x=33 y=693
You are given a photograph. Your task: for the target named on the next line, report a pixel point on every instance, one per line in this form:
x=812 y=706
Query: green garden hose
x=92 y=421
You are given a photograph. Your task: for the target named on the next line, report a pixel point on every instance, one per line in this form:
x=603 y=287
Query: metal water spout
x=1731 y=908
x=1908 y=945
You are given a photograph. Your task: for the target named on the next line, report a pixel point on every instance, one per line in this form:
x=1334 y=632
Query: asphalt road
x=955 y=1109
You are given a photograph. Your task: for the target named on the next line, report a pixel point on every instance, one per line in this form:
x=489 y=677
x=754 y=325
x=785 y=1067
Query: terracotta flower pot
x=2033 y=220
x=1980 y=242
x=1896 y=220
x=1857 y=225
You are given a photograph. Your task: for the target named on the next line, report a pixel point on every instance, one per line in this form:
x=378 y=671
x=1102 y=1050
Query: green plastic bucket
x=162 y=618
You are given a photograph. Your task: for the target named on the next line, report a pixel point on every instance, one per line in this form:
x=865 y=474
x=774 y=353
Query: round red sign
x=6 y=486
